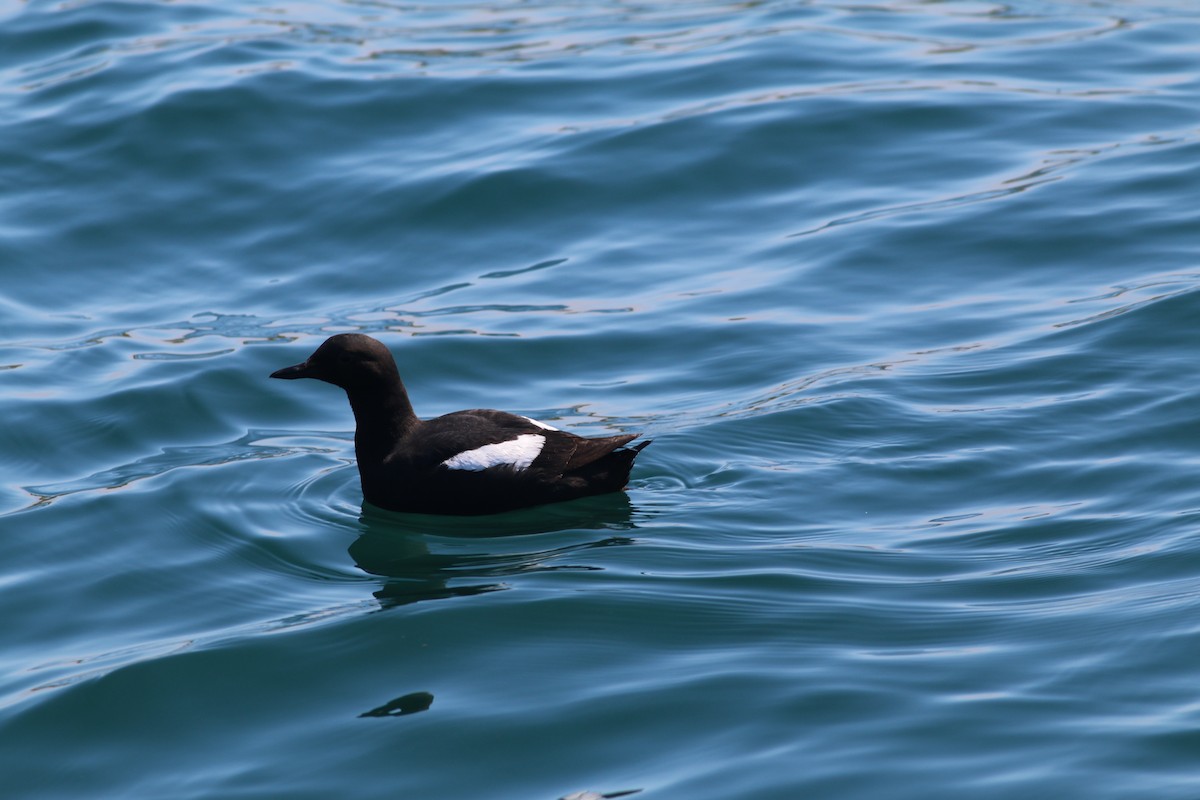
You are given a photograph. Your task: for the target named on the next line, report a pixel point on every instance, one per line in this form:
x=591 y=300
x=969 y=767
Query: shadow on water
x=404 y=548
x=412 y=703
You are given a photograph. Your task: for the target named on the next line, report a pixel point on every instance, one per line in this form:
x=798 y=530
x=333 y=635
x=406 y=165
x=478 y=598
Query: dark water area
x=905 y=293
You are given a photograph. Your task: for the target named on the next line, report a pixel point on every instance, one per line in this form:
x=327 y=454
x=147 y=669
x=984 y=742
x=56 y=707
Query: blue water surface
x=905 y=294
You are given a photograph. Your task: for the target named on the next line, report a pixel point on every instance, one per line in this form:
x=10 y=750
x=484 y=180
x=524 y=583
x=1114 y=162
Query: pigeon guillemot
x=469 y=462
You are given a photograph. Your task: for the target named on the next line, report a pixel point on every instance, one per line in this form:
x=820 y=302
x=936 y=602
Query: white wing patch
x=541 y=425
x=517 y=453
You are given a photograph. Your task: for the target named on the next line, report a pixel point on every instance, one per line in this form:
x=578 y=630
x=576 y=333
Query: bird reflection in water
x=399 y=547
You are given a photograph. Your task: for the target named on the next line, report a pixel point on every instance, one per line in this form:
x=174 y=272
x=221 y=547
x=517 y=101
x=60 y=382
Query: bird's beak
x=293 y=372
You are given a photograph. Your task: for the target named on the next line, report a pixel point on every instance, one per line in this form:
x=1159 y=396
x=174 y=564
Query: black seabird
x=480 y=461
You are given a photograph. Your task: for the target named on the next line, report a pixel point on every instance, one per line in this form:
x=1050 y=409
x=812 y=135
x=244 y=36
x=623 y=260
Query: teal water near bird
x=904 y=293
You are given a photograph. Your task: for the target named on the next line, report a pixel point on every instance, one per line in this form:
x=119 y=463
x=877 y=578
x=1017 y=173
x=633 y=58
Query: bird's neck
x=382 y=419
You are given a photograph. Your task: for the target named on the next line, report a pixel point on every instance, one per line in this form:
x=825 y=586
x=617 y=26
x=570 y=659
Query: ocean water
x=905 y=293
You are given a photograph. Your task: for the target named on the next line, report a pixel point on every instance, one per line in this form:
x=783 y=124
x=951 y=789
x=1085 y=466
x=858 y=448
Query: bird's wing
x=483 y=438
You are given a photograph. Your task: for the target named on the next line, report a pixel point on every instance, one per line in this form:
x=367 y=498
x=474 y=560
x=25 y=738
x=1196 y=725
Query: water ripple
x=255 y=445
